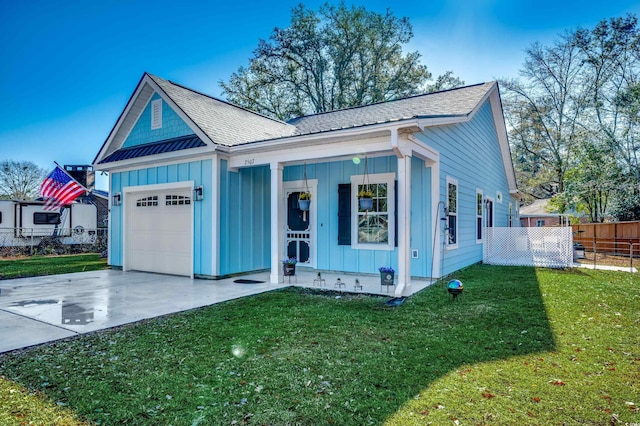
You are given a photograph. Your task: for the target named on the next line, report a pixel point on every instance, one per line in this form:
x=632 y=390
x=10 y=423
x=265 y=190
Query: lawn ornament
x=454 y=288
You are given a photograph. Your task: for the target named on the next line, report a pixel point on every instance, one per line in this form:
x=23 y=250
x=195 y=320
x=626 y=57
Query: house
x=538 y=214
x=85 y=176
x=206 y=189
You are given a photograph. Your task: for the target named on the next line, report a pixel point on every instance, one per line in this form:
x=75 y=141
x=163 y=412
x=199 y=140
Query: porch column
x=404 y=225
x=277 y=223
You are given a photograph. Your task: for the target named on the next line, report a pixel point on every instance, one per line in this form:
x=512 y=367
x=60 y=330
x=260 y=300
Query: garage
x=159 y=235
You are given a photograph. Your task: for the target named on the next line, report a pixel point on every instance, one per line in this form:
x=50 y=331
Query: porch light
x=116 y=199
x=198 y=193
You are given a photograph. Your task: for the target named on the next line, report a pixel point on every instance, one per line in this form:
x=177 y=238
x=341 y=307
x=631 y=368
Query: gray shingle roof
x=450 y=103
x=223 y=123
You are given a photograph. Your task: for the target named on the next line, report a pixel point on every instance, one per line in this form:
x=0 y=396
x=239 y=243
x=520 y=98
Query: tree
x=335 y=58
x=578 y=98
x=20 y=180
x=541 y=111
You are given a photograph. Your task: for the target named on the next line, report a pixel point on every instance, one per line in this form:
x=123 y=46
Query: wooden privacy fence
x=621 y=238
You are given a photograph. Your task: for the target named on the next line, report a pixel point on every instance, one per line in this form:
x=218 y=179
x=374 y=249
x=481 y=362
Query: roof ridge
x=389 y=101
x=217 y=99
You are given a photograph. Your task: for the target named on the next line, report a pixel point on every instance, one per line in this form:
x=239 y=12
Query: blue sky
x=68 y=68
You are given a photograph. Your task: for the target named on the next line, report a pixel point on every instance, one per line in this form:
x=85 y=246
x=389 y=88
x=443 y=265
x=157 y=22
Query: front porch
x=306 y=278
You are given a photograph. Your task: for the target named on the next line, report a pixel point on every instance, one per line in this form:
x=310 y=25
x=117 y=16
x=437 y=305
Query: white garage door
x=159 y=231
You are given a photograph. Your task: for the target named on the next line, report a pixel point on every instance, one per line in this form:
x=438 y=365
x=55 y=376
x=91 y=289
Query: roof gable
x=172 y=125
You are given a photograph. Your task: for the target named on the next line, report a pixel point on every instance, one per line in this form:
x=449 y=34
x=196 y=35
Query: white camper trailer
x=29 y=219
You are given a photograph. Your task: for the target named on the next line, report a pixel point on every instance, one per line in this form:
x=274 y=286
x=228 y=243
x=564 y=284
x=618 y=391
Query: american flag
x=60 y=189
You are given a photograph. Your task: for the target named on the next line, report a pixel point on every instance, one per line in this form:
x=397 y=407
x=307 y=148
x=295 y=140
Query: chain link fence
x=32 y=241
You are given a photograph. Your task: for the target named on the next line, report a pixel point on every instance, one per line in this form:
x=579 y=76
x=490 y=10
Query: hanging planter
x=365 y=195
x=304 y=200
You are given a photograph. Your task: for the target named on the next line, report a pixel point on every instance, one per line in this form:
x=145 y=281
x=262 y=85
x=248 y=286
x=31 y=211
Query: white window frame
x=156 y=114
x=452 y=181
x=479 y=217
x=389 y=179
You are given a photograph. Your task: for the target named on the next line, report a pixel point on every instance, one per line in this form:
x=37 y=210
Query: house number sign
x=249 y=162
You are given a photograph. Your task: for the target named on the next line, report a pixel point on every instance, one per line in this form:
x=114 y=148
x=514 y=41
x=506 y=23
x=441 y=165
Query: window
x=147 y=201
x=539 y=222
x=0 y=217
x=177 y=200
x=46 y=218
x=452 y=213
x=488 y=209
x=374 y=228
x=156 y=114
x=479 y=210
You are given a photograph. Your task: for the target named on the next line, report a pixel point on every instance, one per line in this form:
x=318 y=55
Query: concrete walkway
x=42 y=309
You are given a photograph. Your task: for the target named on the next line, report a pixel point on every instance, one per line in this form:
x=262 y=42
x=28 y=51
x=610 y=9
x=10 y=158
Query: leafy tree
x=334 y=58
x=20 y=180
x=541 y=110
x=578 y=98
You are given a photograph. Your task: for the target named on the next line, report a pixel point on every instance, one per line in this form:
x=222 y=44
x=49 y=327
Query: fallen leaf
x=487 y=394
x=530 y=414
x=536 y=399
x=558 y=383
x=425 y=412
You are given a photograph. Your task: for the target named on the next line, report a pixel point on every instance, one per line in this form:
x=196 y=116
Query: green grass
x=50 y=265
x=520 y=346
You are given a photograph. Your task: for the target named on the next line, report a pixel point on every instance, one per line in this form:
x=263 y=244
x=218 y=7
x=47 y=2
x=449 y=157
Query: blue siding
x=470 y=153
x=245 y=219
x=198 y=171
x=172 y=126
x=331 y=256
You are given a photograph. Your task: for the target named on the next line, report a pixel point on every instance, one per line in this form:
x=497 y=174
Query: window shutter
x=344 y=214
x=395 y=213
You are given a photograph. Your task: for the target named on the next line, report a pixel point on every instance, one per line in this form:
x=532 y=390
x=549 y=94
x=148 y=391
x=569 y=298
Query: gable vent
x=156 y=114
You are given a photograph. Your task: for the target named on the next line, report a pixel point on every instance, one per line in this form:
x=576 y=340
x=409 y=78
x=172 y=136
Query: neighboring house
x=206 y=189
x=85 y=175
x=537 y=214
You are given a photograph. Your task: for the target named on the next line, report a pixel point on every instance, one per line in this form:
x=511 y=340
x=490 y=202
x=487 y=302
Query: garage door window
x=147 y=201
x=177 y=200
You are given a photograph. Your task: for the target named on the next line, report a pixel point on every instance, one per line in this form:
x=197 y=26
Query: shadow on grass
x=292 y=356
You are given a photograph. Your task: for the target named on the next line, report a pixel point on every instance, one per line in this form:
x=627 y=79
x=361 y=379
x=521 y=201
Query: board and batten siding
x=245 y=219
x=172 y=126
x=200 y=172
x=470 y=153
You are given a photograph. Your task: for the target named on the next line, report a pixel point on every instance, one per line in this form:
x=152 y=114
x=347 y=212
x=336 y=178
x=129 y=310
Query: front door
x=299 y=236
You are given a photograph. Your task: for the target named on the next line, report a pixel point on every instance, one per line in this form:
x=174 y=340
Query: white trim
x=277 y=223
x=479 y=216
x=435 y=217
x=299 y=185
x=404 y=226
x=389 y=179
x=156 y=113
x=215 y=215
x=132 y=190
x=452 y=181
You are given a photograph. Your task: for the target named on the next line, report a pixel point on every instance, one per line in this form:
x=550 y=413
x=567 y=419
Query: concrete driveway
x=42 y=309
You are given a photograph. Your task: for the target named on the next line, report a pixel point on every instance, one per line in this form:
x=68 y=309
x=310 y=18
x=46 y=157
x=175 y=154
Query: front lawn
x=50 y=265
x=520 y=346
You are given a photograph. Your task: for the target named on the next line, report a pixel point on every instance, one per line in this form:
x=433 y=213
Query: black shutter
x=395 y=213
x=344 y=214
